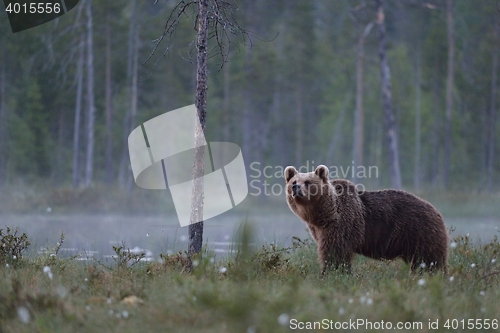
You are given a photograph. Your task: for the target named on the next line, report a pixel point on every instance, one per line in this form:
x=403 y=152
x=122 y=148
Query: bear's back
x=398 y=220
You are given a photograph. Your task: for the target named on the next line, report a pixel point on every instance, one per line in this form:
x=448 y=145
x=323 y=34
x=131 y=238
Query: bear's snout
x=297 y=190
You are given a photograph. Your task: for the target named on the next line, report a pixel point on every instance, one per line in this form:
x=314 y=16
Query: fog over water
x=92 y=236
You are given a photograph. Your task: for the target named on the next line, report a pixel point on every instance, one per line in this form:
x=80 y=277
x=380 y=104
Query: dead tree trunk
x=226 y=102
x=196 y=229
x=449 y=93
x=359 y=114
x=247 y=121
x=389 y=119
x=492 y=113
x=89 y=163
x=218 y=19
x=109 y=109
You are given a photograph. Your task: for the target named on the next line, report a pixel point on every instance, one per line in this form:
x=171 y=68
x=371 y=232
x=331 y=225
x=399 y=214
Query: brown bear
x=378 y=224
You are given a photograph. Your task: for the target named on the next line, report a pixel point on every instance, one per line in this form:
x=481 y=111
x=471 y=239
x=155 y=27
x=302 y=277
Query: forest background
x=72 y=90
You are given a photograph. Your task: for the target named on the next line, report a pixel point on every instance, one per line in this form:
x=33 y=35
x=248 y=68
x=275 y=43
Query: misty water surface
x=94 y=235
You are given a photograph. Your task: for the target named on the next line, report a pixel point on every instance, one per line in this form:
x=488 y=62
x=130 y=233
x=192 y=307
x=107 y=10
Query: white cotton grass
x=47 y=270
x=452 y=278
x=252 y=329
x=421 y=282
x=23 y=314
x=482 y=293
x=62 y=291
x=341 y=311
x=284 y=319
x=222 y=269
x=453 y=245
x=473 y=265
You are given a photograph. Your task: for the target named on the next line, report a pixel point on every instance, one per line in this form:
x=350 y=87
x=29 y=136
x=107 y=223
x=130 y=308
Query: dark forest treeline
x=288 y=99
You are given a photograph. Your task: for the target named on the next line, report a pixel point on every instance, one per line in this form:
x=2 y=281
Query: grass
x=256 y=290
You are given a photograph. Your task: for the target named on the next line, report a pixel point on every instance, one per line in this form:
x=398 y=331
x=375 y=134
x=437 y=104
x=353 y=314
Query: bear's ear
x=290 y=171
x=322 y=172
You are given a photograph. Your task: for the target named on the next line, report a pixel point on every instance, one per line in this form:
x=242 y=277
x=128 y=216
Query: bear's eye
x=307 y=183
x=295 y=182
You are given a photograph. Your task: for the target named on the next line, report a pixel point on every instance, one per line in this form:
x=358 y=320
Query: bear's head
x=306 y=188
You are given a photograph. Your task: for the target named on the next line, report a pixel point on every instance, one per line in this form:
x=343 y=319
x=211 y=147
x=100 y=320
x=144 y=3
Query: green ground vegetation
x=256 y=290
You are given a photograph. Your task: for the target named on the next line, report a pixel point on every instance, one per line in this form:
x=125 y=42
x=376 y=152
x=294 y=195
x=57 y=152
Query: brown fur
x=378 y=224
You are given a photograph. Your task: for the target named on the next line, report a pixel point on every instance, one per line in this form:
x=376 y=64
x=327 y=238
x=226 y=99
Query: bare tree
x=359 y=113
x=248 y=140
x=492 y=113
x=214 y=20
x=196 y=229
x=226 y=101
x=389 y=119
x=89 y=161
x=449 y=92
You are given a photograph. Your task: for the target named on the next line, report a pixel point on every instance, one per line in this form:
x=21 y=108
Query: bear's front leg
x=334 y=255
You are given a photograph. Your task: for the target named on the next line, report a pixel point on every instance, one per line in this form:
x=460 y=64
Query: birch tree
x=125 y=175
x=389 y=118
x=109 y=107
x=449 y=92
x=359 y=113
x=493 y=105
x=89 y=160
x=78 y=112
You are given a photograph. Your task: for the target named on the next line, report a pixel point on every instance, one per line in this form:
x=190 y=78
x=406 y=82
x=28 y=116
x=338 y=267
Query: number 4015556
x=471 y=324
x=34 y=8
